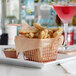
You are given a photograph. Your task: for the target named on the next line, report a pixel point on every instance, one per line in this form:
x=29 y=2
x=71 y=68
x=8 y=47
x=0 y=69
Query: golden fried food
x=40 y=32
x=55 y=29
x=58 y=32
x=33 y=30
x=46 y=33
x=36 y=35
x=38 y=26
x=31 y=35
x=41 y=35
x=48 y=36
x=26 y=35
x=50 y=32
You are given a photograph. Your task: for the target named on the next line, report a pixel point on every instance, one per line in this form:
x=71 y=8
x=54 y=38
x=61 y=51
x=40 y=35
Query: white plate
x=20 y=62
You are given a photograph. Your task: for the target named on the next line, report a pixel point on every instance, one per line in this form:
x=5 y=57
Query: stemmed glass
x=65 y=9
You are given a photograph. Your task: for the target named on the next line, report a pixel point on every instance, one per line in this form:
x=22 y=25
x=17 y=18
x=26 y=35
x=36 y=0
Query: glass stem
x=66 y=33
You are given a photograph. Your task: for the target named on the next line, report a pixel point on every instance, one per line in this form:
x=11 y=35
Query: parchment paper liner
x=42 y=46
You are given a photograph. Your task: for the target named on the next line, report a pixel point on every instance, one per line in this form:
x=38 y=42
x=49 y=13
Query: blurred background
x=12 y=12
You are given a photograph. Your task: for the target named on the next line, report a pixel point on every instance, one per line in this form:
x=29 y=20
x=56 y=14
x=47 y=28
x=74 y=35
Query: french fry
x=48 y=36
x=33 y=30
x=38 y=26
x=50 y=32
x=55 y=29
x=41 y=35
x=26 y=35
x=36 y=35
x=31 y=35
x=58 y=32
x=46 y=33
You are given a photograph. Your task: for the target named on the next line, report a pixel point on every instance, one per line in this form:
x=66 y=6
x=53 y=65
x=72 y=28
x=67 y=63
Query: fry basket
x=45 y=54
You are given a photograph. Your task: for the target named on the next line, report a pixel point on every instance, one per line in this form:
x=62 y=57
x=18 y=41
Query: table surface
x=49 y=70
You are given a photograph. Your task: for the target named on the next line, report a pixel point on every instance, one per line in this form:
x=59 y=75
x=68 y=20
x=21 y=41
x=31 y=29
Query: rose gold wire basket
x=47 y=54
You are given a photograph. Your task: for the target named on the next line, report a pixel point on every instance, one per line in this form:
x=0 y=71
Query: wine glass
x=65 y=9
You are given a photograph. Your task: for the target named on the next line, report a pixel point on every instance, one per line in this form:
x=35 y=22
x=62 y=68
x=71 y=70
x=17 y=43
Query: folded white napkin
x=69 y=67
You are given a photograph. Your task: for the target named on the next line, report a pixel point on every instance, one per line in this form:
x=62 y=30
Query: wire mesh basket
x=46 y=54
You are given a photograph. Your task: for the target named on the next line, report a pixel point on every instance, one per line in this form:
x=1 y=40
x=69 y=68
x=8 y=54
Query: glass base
x=67 y=48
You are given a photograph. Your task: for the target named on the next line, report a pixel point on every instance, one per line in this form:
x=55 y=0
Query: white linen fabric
x=69 y=67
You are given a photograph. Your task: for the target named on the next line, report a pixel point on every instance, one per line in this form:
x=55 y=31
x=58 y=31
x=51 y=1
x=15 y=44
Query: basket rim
x=37 y=38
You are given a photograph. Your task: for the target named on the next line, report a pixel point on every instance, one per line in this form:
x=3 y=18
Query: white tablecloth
x=51 y=70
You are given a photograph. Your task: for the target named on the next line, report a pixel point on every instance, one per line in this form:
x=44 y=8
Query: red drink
x=65 y=12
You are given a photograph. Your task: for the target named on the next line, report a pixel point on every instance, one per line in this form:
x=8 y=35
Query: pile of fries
x=40 y=32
